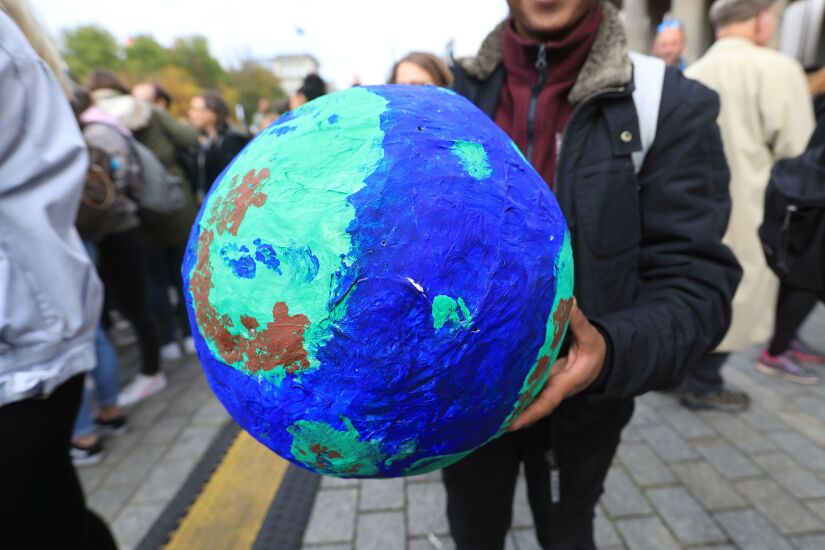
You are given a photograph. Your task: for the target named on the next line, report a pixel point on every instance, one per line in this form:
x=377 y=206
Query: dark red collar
x=565 y=57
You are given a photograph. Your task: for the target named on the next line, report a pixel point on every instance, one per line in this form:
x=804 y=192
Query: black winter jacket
x=213 y=157
x=651 y=271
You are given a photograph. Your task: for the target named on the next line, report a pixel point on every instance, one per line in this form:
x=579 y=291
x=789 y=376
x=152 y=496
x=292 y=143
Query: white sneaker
x=170 y=352
x=86 y=456
x=122 y=334
x=189 y=346
x=142 y=387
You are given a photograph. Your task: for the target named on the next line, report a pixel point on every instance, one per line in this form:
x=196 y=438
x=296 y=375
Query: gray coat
x=50 y=296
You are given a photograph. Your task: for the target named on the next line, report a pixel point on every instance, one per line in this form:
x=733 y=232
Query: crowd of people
x=139 y=256
x=766 y=114
x=665 y=198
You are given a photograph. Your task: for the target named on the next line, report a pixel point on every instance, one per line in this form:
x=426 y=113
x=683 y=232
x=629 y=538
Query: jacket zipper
x=541 y=67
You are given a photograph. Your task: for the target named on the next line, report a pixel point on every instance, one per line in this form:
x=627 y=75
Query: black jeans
x=41 y=501
x=706 y=375
x=124 y=258
x=164 y=271
x=480 y=488
x=792 y=308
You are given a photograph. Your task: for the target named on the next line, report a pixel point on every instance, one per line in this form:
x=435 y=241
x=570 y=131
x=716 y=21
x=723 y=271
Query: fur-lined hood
x=131 y=112
x=607 y=65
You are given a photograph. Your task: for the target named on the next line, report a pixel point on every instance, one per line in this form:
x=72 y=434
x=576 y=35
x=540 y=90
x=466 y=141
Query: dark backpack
x=793 y=230
x=95 y=216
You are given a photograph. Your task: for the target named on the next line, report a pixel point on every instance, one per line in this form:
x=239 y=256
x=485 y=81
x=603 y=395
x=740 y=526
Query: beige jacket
x=766 y=115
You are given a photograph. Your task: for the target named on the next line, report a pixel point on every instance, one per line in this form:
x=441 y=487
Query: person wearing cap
x=669 y=43
x=765 y=115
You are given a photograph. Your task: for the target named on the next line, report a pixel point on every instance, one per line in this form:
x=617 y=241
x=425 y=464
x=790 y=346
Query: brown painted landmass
x=539 y=371
x=323 y=455
x=279 y=344
x=228 y=212
x=250 y=323
x=560 y=317
x=212 y=326
x=532 y=385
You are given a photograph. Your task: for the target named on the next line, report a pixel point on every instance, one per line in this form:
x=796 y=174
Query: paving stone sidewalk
x=681 y=479
x=167 y=435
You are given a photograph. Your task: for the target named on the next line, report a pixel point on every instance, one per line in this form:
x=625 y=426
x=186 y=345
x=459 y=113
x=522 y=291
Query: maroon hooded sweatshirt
x=533 y=108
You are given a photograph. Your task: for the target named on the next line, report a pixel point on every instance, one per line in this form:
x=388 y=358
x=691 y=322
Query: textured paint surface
x=360 y=263
x=473 y=158
x=340 y=451
x=448 y=311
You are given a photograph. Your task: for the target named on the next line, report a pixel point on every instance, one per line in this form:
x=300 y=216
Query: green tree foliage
x=192 y=53
x=180 y=86
x=145 y=56
x=185 y=69
x=90 y=47
x=252 y=81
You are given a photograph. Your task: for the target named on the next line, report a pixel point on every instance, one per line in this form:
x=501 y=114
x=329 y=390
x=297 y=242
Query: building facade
x=642 y=17
x=292 y=68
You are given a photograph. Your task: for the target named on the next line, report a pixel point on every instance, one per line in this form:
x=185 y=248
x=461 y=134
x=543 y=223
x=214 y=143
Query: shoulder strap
x=648 y=79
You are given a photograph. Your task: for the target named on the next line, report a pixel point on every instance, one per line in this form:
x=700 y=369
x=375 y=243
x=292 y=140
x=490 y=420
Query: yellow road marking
x=231 y=508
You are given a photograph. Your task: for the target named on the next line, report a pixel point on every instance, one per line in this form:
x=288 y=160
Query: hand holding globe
x=571 y=374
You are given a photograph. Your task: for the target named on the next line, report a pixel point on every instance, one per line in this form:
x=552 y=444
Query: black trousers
x=792 y=308
x=480 y=488
x=41 y=501
x=706 y=376
x=124 y=260
x=164 y=271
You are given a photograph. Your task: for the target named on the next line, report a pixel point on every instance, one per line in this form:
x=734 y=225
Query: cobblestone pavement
x=144 y=468
x=681 y=479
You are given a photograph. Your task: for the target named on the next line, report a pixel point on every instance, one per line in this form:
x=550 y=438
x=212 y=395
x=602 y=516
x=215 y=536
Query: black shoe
x=114 y=427
x=86 y=456
x=721 y=400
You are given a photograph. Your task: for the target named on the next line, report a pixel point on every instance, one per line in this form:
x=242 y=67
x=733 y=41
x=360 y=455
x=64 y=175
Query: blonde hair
x=41 y=43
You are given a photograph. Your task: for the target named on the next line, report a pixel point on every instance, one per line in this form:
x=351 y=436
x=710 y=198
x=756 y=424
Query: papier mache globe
x=379 y=283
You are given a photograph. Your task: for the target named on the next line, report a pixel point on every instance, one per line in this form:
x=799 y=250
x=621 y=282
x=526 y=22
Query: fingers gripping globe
x=379 y=283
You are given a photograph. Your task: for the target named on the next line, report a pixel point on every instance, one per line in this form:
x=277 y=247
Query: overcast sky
x=349 y=37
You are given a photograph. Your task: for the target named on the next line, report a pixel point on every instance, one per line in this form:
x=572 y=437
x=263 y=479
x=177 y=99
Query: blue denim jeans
x=105 y=376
